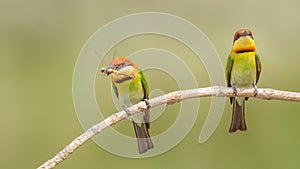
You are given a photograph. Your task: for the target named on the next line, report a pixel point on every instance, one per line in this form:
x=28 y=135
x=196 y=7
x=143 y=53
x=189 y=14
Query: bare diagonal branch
x=170 y=98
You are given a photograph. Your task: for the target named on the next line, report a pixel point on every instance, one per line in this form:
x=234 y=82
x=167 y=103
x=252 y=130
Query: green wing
x=146 y=96
x=145 y=85
x=228 y=73
x=115 y=89
x=258 y=66
x=228 y=70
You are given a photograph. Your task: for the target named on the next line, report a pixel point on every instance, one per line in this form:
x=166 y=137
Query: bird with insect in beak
x=242 y=70
x=130 y=86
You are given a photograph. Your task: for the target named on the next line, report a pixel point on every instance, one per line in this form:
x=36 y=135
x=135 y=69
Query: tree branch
x=168 y=99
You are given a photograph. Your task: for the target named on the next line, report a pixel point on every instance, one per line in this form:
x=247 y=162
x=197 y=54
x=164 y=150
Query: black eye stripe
x=251 y=35
x=236 y=37
x=121 y=65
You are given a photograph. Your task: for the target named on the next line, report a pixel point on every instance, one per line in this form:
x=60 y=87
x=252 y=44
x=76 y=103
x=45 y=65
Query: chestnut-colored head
x=120 y=62
x=243 y=41
x=241 y=33
x=121 y=69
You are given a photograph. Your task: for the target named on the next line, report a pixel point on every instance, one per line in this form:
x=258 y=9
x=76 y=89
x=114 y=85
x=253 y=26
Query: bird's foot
x=147 y=102
x=255 y=90
x=234 y=90
x=126 y=110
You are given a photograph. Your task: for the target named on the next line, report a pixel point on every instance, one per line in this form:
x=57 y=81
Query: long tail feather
x=143 y=137
x=238 y=116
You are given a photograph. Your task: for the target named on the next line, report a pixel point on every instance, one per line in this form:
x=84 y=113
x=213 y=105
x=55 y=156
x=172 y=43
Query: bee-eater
x=242 y=70
x=130 y=86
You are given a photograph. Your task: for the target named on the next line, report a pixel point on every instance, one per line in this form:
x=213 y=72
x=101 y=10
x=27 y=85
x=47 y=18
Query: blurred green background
x=40 y=41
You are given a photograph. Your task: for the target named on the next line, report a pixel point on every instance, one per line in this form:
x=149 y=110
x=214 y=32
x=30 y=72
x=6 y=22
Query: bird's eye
x=236 y=36
x=250 y=34
x=120 y=66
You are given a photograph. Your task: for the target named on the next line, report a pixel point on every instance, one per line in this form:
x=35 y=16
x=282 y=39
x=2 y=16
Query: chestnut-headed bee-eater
x=242 y=70
x=130 y=86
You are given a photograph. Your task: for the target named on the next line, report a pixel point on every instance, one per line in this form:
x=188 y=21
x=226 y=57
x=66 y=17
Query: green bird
x=242 y=70
x=130 y=86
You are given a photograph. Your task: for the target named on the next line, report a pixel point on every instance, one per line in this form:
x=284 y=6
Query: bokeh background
x=40 y=41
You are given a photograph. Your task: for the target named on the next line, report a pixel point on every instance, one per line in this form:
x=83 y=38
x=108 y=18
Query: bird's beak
x=108 y=70
x=244 y=33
